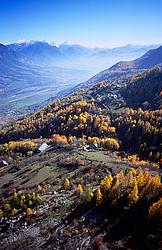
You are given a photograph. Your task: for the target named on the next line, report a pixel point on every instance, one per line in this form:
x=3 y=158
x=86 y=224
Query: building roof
x=3 y=163
x=43 y=147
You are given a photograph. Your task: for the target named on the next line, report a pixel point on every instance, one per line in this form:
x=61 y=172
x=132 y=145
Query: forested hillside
x=128 y=68
x=102 y=112
x=97 y=182
x=144 y=90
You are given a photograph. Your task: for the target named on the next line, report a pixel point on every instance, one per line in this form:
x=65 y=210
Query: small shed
x=92 y=146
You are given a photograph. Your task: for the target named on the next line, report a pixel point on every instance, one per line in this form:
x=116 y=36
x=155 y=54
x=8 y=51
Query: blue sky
x=99 y=23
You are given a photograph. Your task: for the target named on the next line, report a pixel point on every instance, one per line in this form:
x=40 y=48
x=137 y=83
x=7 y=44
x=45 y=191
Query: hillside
x=125 y=68
x=76 y=194
x=144 y=89
x=80 y=125
x=85 y=170
x=8 y=55
x=93 y=112
x=148 y=60
x=58 y=203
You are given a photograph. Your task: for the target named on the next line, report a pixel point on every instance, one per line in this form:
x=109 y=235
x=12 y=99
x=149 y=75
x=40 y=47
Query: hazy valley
x=33 y=72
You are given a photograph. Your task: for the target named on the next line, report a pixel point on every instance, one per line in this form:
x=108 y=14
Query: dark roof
x=92 y=146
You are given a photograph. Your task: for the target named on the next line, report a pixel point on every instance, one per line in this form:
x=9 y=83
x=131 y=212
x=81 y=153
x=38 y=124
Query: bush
x=2 y=149
x=22 y=202
x=110 y=143
x=7 y=207
x=1 y=213
x=20 y=146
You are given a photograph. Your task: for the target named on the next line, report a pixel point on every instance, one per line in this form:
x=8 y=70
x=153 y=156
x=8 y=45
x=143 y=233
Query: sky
x=97 y=23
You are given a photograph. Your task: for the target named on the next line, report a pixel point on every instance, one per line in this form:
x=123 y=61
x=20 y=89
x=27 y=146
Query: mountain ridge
x=123 y=68
x=53 y=53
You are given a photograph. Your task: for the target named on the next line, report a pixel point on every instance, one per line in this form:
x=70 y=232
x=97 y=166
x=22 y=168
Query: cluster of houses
x=78 y=143
x=44 y=147
x=111 y=96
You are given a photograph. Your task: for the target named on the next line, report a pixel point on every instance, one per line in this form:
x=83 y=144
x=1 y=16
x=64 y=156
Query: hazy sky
x=105 y=23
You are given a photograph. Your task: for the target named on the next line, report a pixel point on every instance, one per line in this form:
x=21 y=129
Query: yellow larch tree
x=79 y=189
x=133 y=196
x=66 y=183
x=99 y=196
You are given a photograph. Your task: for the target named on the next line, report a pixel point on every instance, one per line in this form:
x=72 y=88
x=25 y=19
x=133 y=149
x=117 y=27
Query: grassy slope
x=64 y=223
x=52 y=168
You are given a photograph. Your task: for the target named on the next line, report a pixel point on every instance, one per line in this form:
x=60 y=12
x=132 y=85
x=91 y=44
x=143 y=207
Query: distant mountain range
x=36 y=51
x=75 y=55
x=9 y=56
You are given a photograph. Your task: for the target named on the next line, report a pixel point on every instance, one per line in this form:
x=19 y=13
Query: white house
x=43 y=147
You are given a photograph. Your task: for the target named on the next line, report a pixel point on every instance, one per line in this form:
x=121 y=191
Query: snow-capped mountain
x=76 y=56
x=37 y=51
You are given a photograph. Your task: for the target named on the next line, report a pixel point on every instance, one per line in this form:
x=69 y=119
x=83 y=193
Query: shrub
x=89 y=193
x=110 y=143
x=2 y=149
x=21 y=146
x=1 y=213
x=7 y=207
x=29 y=212
x=14 y=211
x=59 y=139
